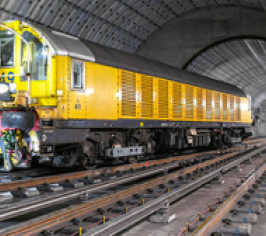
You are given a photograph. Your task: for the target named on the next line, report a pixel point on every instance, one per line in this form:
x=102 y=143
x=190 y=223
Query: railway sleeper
x=254 y=201
x=6 y=197
x=69 y=230
x=94 y=218
x=118 y=209
x=245 y=214
x=50 y=187
x=94 y=180
x=149 y=193
x=243 y=229
x=136 y=199
x=25 y=192
x=72 y=184
x=250 y=218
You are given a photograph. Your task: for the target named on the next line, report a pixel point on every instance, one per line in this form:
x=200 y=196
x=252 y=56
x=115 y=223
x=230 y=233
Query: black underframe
x=76 y=131
x=128 y=123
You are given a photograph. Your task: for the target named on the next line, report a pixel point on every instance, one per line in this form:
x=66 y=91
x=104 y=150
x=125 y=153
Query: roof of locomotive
x=85 y=50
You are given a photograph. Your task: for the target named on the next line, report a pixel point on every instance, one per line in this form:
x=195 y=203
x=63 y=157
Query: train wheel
x=88 y=163
x=88 y=159
x=132 y=160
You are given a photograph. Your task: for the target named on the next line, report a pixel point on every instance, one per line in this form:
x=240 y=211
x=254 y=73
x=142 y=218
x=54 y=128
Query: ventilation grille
x=128 y=92
x=146 y=96
x=217 y=108
x=237 y=110
x=232 y=107
x=199 y=94
x=209 y=105
x=224 y=96
x=189 y=102
x=177 y=100
x=163 y=98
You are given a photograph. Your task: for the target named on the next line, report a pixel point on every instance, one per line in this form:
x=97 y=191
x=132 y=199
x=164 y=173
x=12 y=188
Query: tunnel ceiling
x=121 y=24
x=241 y=62
x=126 y=24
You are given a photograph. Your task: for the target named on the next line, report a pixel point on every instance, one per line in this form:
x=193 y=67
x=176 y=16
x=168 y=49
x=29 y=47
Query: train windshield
x=37 y=57
x=6 y=49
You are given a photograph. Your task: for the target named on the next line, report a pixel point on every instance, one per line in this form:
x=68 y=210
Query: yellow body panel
x=103 y=97
x=105 y=92
x=98 y=100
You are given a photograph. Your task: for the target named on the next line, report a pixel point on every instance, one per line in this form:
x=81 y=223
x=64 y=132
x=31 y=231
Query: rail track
x=181 y=175
x=52 y=190
x=241 y=211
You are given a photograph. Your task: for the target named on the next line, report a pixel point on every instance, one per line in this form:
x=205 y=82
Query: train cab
x=25 y=83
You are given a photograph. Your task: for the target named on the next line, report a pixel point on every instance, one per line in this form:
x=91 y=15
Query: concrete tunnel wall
x=182 y=38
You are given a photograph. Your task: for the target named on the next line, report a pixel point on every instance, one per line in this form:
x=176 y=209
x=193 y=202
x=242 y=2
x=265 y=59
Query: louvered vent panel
x=217 y=109
x=189 y=102
x=146 y=96
x=199 y=94
x=177 y=100
x=163 y=98
x=128 y=91
x=237 y=109
x=209 y=105
x=232 y=108
x=224 y=96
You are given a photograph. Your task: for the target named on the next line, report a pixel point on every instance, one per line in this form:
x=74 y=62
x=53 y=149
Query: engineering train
x=68 y=102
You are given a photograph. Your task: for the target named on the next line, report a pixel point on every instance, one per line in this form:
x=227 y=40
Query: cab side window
x=7 y=41
x=78 y=75
x=37 y=57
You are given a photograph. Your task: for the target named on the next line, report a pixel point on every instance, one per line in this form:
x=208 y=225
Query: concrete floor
x=186 y=209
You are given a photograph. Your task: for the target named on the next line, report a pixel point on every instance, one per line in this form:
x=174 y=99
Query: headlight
x=34 y=100
x=4 y=88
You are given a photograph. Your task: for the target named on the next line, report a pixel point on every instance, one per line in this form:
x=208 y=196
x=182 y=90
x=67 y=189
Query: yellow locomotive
x=69 y=102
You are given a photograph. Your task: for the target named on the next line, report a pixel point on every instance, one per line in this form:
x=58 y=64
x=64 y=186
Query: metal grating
x=189 y=96
x=217 y=106
x=128 y=94
x=163 y=96
x=199 y=100
x=146 y=96
x=209 y=98
x=224 y=98
x=177 y=100
x=232 y=108
x=237 y=109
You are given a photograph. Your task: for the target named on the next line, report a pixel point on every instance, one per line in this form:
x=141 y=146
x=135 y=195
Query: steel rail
x=97 y=172
x=154 y=205
x=20 y=209
x=210 y=223
x=135 y=215
x=88 y=208
x=250 y=141
x=44 y=202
